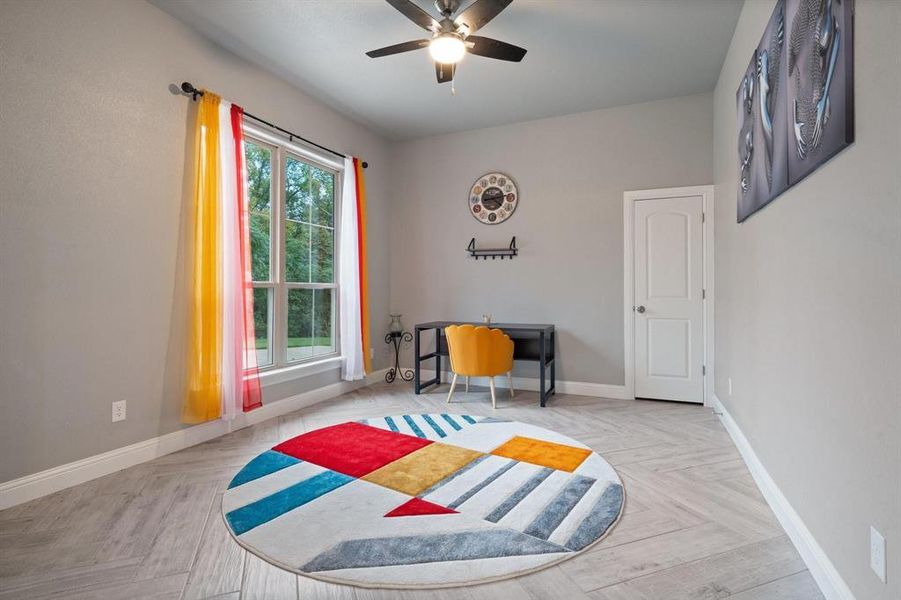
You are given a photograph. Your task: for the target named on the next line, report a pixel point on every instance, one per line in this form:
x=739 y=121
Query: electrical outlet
x=119 y=411
x=730 y=386
x=877 y=553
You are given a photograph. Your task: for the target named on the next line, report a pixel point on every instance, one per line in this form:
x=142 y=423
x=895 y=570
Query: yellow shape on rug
x=420 y=470
x=539 y=452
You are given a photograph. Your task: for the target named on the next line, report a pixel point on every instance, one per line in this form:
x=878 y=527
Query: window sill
x=284 y=374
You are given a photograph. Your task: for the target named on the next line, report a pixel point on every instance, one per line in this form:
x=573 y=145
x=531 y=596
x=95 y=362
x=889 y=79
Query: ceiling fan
x=452 y=36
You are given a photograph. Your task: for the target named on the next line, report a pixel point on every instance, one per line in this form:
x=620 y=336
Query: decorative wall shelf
x=494 y=253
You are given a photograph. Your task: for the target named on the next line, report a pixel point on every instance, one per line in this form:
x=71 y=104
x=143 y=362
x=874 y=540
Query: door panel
x=669 y=348
x=668 y=323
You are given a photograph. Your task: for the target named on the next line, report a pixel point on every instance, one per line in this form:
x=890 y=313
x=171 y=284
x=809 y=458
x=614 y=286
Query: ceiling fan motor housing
x=447 y=7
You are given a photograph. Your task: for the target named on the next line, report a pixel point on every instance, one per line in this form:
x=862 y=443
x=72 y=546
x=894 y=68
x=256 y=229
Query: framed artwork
x=820 y=91
x=493 y=198
x=762 y=146
x=795 y=100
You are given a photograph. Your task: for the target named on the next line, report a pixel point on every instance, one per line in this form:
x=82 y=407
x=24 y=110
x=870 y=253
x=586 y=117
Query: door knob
x=639 y=309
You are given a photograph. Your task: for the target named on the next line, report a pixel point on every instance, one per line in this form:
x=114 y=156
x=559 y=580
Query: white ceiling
x=582 y=55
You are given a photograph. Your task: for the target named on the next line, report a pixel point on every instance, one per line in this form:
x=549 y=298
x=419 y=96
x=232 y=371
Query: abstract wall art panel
x=762 y=143
x=795 y=100
x=819 y=62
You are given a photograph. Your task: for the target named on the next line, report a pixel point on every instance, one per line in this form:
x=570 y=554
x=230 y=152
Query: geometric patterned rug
x=422 y=501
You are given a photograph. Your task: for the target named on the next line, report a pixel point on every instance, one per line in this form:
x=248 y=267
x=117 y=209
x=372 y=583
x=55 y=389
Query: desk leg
x=438 y=355
x=542 y=361
x=416 y=379
x=554 y=363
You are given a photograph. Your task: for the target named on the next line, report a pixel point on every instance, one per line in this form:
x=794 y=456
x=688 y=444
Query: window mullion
x=280 y=333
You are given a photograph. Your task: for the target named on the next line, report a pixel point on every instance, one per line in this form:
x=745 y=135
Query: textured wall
x=571 y=172
x=808 y=322
x=92 y=214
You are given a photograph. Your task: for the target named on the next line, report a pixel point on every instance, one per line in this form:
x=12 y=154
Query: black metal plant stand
x=396 y=338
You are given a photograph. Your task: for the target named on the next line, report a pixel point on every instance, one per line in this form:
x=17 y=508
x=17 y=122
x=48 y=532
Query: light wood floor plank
x=800 y=586
x=608 y=566
x=718 y=576
x=263 y=581
x=219 y=564
x=174 y=546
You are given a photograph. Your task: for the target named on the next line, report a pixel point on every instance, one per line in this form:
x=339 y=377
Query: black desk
x=530 y=342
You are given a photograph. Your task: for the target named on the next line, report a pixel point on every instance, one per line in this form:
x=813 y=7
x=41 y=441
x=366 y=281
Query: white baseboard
x=821 y=568
x=58 y=478
x=577 y=388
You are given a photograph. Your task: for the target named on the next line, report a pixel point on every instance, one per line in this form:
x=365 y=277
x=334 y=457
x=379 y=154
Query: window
x=292 y=242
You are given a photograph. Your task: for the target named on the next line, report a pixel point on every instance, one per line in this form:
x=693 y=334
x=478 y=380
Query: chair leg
x=493 y=399
x=510 y=380
x=467 y=384
x=451 y=392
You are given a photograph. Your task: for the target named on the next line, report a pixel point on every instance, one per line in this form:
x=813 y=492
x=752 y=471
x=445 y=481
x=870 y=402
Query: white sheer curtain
x=229 y=238
x=349 y=317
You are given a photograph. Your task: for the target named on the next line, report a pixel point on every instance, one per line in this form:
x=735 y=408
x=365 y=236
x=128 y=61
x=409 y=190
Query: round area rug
x=422 y=501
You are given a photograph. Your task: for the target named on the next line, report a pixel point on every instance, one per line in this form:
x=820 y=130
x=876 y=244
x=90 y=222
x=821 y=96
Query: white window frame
x=281 y=369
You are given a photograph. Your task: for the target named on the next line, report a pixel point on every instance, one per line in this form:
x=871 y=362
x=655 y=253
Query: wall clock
x=493 y=198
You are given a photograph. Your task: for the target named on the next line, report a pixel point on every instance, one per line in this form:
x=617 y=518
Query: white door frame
x=629 y=200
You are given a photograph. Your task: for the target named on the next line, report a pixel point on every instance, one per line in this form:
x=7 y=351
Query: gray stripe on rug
x=516 y=497
x=482 y=484
x=419 y=549
x=454 y=475
x=604 y=512
x=550 y=518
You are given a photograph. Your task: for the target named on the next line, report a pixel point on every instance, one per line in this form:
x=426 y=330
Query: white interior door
x=668 y=307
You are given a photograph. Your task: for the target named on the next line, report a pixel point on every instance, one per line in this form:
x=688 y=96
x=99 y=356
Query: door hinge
x=703 y=217
x=703 y=369
x=703 y=294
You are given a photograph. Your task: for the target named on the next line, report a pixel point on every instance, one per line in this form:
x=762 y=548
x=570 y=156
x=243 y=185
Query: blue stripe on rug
x=516 y=497
x=482 y=484
x=264 y=510
x=414 y=426
x=452 y=423
x=553 y=514
x=391 y=424
x=265 y=464
x=602 y=514
x=434 y=425
x=468 y=419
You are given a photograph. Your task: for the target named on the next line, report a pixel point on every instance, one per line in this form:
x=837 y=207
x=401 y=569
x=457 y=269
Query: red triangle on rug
x=418 y=506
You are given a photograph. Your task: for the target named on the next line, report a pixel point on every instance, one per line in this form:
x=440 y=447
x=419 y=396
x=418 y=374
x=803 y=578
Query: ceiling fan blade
x=415 y=14
x=480 y=12
x=398 y=48
x=490 y=48
x=445 y=73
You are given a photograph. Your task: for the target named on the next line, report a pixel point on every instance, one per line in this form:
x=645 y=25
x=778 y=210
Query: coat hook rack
x=494 y=253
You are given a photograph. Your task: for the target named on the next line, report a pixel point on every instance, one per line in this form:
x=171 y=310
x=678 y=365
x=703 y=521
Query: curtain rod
x=189 y=88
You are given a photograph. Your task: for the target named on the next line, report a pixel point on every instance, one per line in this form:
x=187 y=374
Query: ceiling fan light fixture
x=447 y=49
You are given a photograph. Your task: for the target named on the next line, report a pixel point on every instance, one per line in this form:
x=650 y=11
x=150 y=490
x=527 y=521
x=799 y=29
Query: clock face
x=493 y=198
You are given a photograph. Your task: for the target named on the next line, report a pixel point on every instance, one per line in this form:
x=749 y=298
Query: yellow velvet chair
x=479 y=352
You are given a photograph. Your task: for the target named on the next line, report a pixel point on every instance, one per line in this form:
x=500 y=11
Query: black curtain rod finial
x=187 y=88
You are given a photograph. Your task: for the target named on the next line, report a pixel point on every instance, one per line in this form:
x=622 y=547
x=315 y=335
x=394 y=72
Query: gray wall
x=92 y=214
x=571 y=172
x=808 y=321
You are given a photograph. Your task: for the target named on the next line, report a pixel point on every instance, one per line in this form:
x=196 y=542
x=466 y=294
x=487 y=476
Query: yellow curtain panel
x=204 y=401
x=364 y=272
